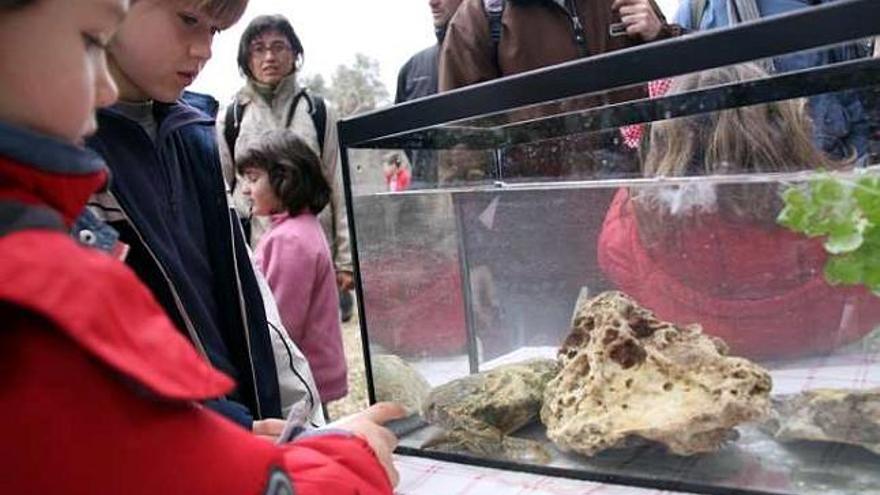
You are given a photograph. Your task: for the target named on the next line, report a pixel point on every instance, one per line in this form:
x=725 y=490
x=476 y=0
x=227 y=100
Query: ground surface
x=357 y=389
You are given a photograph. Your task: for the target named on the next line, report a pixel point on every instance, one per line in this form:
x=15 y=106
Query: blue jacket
x=168 y=202
x=840 y=123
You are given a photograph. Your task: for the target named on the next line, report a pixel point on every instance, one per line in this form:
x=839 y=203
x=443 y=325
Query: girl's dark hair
x=294 y=170
x=263 y=24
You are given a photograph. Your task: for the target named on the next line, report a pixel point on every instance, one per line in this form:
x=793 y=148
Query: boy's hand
x=268 y=429
x=367 y=425
x=639 y=17
x=345 y=280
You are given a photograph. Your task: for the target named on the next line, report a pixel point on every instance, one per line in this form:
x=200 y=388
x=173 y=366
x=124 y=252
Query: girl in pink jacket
x=283 y=180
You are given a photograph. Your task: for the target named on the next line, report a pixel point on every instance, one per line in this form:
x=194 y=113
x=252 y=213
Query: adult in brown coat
x=539 y=33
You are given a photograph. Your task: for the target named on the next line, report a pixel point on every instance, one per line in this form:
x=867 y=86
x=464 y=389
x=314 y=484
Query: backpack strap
x=317 y=111
x=494 y=10
x=698 y=10
x=232 y=125
x=319 y=117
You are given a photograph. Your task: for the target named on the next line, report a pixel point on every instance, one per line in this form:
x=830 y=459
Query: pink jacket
x=295 y=257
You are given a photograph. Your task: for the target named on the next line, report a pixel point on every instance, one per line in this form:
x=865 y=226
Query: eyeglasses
x=277 y=48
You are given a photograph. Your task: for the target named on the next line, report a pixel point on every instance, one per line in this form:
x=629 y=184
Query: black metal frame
x=463 y=265
x=828 y=24
x=830 y=78
x=838 y=22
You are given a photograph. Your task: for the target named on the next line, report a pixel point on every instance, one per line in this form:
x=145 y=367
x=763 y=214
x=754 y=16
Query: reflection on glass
x=675 y=321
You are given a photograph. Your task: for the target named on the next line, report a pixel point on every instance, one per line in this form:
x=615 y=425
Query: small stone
x=479 y=411
x=398 y=381
x=828 y=415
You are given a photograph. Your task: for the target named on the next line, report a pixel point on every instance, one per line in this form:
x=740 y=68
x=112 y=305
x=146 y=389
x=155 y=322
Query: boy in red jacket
x=101 y=390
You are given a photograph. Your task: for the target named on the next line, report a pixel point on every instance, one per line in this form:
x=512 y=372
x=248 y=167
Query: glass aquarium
x=658 y=267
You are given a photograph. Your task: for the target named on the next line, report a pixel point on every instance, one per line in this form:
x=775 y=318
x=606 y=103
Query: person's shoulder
x=468 y=25
x=40 y=256
x=427 y=55
x=204 y=103
x=473 y=10
x=470 y=15
x=418 y=60
x=189 y=111
x=194 y=119
x=303 y=226
x=407 y=66
x=683 y=14
x=302 y=233
x=99 y=303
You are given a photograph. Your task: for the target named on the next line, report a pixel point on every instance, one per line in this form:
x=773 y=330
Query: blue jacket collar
x=170 y=117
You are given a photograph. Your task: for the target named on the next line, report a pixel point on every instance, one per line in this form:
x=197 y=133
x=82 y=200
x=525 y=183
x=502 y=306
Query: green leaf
x=795 y=214
x=843 y=270
x=870 y=262
x=827 y=190
x=867 y=196
x=847 y=213
x=845 y=237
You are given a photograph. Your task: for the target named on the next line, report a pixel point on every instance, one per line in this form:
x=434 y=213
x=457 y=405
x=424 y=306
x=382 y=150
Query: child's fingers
x=384 y=412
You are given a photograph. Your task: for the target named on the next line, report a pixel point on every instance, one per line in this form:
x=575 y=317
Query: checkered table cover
x=420 y=476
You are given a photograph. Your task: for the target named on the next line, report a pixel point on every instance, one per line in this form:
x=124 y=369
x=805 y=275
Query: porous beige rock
x=828 y=415
x=627 y=376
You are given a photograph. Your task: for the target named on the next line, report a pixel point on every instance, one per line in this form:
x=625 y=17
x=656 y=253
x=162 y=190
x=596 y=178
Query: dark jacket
x=418 y=76
x=168 y=202
x=100 y=385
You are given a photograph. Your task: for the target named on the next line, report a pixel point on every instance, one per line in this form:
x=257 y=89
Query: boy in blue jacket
x=168 y=202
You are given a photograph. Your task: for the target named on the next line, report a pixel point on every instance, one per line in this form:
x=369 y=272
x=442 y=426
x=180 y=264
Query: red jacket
x=100 y=390
x=761 y=290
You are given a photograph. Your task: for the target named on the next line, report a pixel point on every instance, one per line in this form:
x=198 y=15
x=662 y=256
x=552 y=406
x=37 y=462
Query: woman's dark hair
x=294 y=170
x=263 y=24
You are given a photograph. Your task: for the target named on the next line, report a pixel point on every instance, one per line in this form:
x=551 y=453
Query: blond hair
x=770 y=137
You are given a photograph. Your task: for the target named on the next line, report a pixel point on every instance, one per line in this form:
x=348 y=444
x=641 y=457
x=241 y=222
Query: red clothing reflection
x=760 y=289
